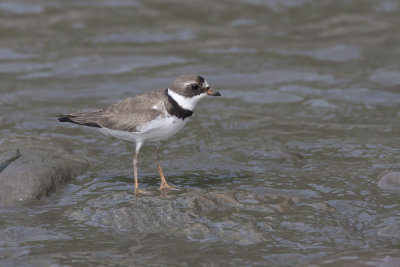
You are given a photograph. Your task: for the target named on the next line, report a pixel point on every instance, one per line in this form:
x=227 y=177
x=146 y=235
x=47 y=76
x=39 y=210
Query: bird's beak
x=212 y=92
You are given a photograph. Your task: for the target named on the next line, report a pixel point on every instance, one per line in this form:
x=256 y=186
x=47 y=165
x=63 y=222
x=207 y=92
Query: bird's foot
x=165 y=186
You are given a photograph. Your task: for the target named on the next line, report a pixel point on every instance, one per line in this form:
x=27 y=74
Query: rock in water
x=391 y=231
x=7 y=162
x=33 y=167
x=390 y=181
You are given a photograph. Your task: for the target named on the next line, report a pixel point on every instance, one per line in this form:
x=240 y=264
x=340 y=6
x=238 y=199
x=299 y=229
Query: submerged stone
x=195 y=214
x=390 y=180
x=211 y=200
x=391 y=231
x=33 y=167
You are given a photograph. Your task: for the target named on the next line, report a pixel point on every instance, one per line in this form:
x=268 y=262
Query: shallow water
x=307 y=123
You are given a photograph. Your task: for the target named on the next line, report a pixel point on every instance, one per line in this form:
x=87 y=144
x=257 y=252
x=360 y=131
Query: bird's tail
x=81 y=120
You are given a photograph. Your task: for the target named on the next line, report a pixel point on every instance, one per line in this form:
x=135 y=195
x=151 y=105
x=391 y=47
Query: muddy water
x=307 y=123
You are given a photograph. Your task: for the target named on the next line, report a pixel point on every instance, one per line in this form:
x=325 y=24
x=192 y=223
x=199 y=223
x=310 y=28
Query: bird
x=149 y=117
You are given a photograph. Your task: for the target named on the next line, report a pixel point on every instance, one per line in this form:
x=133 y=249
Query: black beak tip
x=216 y=94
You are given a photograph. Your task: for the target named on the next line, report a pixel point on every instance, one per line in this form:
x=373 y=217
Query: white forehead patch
x=188 y=82
x=186 y=102
x=205 y=84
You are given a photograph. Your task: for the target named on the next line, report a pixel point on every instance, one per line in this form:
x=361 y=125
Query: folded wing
x=127 y=115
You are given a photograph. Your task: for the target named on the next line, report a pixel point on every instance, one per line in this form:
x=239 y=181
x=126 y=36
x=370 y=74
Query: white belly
x=159 y=129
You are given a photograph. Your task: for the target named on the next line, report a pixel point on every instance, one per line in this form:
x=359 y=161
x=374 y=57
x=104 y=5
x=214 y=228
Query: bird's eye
x=195 y=86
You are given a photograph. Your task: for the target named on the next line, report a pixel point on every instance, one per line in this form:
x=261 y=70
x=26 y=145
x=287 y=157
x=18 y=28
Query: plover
x=149 y=117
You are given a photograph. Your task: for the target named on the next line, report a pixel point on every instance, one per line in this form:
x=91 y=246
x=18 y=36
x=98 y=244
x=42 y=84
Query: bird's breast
x=161 y=128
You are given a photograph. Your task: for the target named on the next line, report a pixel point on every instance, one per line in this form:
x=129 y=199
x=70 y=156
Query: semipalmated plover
x=149 y=117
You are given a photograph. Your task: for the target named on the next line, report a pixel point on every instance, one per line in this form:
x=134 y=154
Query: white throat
x=186 y=102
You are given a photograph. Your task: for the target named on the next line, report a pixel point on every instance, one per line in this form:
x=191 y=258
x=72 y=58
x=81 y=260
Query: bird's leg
x=135 y=173
x=164 y=184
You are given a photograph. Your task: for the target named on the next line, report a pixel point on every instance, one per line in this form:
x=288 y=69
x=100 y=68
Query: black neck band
x=177 y=110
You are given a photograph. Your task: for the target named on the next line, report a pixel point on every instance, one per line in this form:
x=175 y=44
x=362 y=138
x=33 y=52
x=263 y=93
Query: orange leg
x=164 y=184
